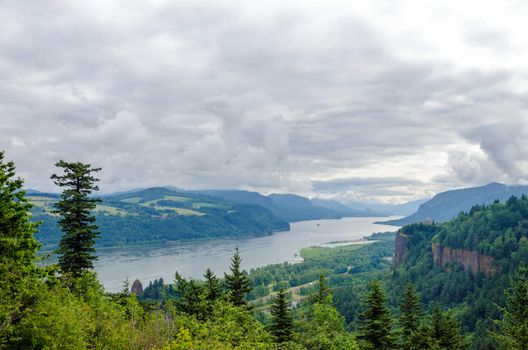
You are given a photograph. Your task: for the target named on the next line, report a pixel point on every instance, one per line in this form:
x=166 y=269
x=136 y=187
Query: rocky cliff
x=137 y=287
x=471 y=260
x=400 y=247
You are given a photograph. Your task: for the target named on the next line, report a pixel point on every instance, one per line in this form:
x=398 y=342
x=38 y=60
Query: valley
x=192 y=258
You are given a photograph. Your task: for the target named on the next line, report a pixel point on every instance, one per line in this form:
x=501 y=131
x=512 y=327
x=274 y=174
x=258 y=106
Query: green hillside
x=158 y=215
x=466 y=264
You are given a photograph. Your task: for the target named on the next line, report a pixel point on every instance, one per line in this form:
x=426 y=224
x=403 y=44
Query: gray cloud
x=348 y=183
x=320 y=99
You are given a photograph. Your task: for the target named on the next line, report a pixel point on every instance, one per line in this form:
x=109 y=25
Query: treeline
x=143 y=227
x=315 y=323
x=499 y=230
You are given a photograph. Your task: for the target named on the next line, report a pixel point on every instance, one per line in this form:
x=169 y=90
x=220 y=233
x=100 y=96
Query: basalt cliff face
x=471 y=260
x=400 y=247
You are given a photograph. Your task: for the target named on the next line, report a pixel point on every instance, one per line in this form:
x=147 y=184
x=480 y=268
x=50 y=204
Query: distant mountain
x=446 y=205
x=288 y=207
x=157 y=215
x=340 y=207
x=112 y=194
x=293 y=208
x=240 y=196
x=383 y=209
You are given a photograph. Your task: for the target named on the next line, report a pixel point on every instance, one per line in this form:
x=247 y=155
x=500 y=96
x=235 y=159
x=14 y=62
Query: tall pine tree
x=282 y=322
x=76 y=247
x=323 y=294
x=213 y=288
x=18 y=247
x=376 y=324
x=17 y=243
x=446 y=331
x=238 y=283
x=410 y=317
x=513 y=327
x=190 y=300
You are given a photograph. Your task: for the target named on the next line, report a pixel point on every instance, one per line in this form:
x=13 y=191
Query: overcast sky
x=358 y=100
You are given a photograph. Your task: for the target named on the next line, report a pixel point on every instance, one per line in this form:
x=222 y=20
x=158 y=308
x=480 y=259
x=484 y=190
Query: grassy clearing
x=166 y=198
x=131 y=200
x=110 y=210
x=181 y=211
x=41 y=199
x=311 y=253
x=44 y=203
x=264 y=303
x=177 y=198
x=209 y=205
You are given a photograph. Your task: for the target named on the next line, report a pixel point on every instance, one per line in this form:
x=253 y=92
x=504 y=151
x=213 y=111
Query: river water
x=191 y=259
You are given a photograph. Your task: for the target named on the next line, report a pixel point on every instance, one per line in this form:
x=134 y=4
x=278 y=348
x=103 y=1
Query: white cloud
x=269 y=96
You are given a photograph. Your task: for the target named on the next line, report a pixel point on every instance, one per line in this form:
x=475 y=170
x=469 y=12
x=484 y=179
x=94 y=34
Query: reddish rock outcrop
x=400 y=247
x=137 y=287
x=471 y=260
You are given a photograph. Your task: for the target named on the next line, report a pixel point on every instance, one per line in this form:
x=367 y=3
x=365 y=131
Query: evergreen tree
x=213 y=288
x=237 y=282
x=410 y=317
x=323 y=294
x=190 y=300
x=446 y=331
x=282 y=321
x=17 y=242
x=17 y=253
x=376 y=324
x=76 y=247
x=513 y=327
x=324 y=329
x=422 y=339
x=437 y=324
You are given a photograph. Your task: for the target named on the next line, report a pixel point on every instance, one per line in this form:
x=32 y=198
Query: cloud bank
x=384 y=101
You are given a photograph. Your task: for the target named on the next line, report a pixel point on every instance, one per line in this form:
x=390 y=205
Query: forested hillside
x=158 y=215
x=466 y=264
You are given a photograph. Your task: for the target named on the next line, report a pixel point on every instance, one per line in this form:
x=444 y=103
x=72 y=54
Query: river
x=191 y=259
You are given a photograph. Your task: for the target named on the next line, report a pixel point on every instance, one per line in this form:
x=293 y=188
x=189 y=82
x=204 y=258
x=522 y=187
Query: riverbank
x=192 y=258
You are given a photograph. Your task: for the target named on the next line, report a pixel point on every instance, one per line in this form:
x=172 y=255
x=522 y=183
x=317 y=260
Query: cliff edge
x=470 y=260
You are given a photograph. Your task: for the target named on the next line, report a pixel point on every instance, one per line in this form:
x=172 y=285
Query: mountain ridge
x=289 y=207
x=446 y=205
x=158 y=215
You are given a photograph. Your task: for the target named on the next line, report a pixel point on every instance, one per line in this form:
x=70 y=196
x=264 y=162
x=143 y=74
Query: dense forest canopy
x=498 y=231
